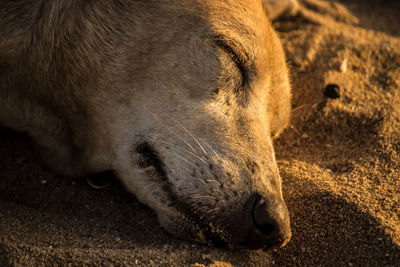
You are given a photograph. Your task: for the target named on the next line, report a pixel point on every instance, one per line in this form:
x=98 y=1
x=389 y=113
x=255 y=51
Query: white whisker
x=183 y=151
x=299 y=107
x=172 y=131
x=194 y=138
x=295 y=130
x=215 y=153
x=184 y=159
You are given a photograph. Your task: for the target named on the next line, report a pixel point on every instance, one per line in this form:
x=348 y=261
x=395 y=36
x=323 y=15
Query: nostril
x=269 y=222
x=262 y=219
x=266 y=229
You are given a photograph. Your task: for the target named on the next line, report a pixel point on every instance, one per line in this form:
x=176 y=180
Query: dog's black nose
x=270 y=223
x=262 y=220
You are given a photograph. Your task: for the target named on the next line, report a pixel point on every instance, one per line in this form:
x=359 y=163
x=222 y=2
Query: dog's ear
x=278 y=8
x=280 y=110
x=279 y=88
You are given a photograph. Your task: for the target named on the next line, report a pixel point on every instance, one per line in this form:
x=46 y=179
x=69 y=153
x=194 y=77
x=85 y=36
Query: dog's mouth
x=149 y=159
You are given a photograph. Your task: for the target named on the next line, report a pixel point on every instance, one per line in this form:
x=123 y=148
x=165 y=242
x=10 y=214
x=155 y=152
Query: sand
x=340 y=165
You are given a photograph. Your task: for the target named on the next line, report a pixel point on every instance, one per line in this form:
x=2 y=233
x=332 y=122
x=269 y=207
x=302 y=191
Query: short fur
x=180 y=98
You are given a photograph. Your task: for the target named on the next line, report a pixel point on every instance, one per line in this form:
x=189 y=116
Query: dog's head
x=206 y=90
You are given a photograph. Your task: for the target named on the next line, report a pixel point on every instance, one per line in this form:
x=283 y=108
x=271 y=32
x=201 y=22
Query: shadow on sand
x=63 y=220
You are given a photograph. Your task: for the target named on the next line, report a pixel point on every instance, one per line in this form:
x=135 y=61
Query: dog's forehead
x=187 y=40
x=240 y=19
x=245 y=25
x=244 y=22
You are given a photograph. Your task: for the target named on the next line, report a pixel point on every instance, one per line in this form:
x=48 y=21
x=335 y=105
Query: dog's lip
x=149 y=158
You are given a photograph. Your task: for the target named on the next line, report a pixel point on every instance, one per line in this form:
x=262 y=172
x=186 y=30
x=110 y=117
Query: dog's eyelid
x=238 y=56
x=234 y=49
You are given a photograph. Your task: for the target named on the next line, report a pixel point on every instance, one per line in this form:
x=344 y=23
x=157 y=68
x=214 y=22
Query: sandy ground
x=340 y=163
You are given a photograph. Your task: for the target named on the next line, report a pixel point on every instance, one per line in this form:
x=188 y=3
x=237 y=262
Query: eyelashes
x=236 y=57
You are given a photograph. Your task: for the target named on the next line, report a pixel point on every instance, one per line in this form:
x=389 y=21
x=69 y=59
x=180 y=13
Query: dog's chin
x=172 y=215
x=178 y=225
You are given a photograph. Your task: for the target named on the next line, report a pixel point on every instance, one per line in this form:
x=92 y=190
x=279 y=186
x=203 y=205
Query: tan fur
x=151 y=90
